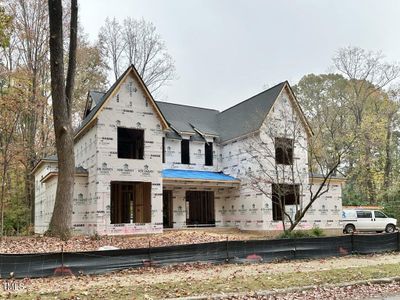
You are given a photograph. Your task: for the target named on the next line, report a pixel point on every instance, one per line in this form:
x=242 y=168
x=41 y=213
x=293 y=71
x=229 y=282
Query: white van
x=367 y=220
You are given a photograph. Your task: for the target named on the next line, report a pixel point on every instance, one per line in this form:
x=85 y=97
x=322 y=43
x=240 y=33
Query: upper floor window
x=130 y=143
x=185 y=156
x=208 y=150
x=284 y=151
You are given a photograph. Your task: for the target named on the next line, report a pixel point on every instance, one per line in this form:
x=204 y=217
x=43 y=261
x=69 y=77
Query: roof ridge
x=188 y=105
x=253 y=96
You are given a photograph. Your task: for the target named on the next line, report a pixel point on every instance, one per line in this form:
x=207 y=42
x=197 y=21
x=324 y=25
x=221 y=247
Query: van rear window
x=364 y=214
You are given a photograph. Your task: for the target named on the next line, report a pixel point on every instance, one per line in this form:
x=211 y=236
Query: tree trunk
x=388 y=158
x=60 y=224
x=3 y=187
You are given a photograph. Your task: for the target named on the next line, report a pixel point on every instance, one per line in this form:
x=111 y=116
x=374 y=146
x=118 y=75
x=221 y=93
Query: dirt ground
x=194 y=273
x=40 y=244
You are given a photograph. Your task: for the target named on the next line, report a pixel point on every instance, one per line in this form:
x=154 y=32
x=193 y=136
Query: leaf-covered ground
x=205 y=279
x=37 y=244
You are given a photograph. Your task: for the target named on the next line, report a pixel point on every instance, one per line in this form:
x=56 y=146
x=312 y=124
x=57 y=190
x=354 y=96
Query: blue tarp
x=200 y=175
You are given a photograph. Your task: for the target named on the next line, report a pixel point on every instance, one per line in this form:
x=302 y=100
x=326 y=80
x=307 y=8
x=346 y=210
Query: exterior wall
x=86 y=157
x=325 y=211
x=249 y=208
x=197 y=155
x=43 y=198
x=244 y=207
x=128 y=108
x=45 y=195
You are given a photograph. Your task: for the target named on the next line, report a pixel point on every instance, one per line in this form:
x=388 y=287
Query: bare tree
x=60 y=223
x=138 y=43
x=112 y=43
x=91 y=74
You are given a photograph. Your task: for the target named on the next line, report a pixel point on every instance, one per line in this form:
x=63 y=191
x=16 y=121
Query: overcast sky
x=226 y=51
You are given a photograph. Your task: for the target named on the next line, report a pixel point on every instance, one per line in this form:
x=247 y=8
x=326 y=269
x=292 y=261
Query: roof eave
x=41 y=162
x=55 y=174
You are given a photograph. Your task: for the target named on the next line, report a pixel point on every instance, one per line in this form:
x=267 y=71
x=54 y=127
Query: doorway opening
x=167 y=209
x=200 y=208
x=130 y=202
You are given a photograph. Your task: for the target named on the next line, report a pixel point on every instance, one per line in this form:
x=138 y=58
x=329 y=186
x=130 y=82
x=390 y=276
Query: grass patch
x=296 y=234
x=222 y=284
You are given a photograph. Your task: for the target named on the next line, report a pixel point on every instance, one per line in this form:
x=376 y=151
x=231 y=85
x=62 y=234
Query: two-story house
x=144 y=165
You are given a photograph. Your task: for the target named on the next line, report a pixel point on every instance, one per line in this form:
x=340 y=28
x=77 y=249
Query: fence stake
x=352 y=242
x=62 y=257
x=294 y=248
x=149 y=253
x=227 y=249
x=398 y=241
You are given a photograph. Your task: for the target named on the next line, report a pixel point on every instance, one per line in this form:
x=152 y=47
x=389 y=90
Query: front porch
x=194 y=198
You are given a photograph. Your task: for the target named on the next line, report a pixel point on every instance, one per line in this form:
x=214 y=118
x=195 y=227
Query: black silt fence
x=98 y=262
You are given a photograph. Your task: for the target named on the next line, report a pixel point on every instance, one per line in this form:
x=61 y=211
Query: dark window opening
x=185 y=156
x=130 y=143
x=200 y=209
x=282 y=195
x=130 y=202
x=163 y=149
x=283 y=151
x=209 y=154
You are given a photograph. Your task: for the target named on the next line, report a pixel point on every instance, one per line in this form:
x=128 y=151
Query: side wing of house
x=46 y=173
x=272 y=162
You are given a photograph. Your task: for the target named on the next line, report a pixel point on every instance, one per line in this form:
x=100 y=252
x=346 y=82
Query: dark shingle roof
x=81 y=170
x=184 y=117
x=243 y=118
x=247 y=116
x=52 y=157
x=96 y=96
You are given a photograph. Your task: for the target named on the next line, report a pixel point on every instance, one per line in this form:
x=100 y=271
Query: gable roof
x=51 y=159
x=102 y=100
x=247 y=116
x=241 y=119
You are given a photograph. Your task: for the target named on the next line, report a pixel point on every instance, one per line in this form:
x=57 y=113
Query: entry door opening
x=167 y=209
x=130 y=202
x=200 y=209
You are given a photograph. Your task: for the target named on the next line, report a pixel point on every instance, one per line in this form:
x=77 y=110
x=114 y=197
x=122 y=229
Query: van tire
x=390 y=228
x=350 y=228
